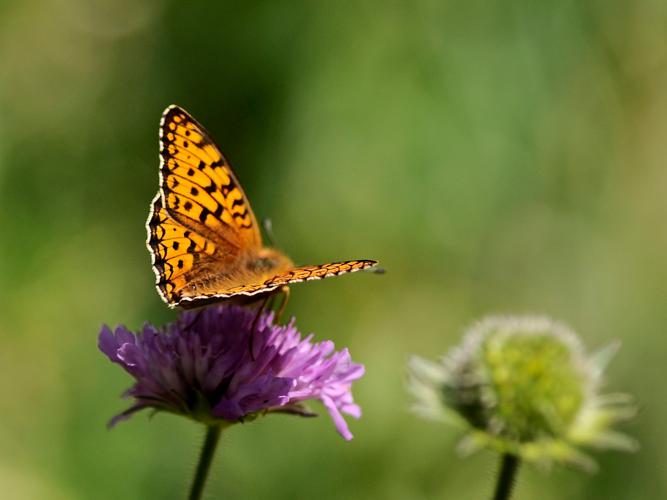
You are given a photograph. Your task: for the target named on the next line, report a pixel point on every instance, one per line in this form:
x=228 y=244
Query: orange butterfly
x=203 y=238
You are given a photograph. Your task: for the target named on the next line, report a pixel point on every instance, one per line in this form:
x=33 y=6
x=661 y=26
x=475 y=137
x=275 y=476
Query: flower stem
x=205 y=460
x=509 y=464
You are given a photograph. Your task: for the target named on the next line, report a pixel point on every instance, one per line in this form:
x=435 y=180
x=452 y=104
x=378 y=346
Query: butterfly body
x=203 y=237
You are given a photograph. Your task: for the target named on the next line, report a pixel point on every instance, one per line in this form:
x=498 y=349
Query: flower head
x=201 y=366
x=523 y=386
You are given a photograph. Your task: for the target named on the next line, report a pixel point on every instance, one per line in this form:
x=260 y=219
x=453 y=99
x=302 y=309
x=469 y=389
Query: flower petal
x=200 y=366
x=339 y=421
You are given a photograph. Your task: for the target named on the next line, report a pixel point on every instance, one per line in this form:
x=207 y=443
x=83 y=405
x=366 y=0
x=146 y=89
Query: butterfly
x=203 y=237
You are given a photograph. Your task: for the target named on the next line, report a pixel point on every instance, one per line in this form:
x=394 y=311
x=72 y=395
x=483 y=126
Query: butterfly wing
x=294 y=275
x=198 y=186
x=179 y=255
x=320 y=271
x=200 y=222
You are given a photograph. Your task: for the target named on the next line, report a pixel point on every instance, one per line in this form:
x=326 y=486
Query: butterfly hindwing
x=175 y=251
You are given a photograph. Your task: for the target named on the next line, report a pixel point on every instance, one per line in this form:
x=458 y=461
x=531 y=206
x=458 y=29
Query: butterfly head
x=269 y=260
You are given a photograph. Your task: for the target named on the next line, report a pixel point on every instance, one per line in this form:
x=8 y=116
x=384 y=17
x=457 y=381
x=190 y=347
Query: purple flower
x=200 y=366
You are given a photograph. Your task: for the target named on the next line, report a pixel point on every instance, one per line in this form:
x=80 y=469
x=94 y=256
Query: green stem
x=205 y=460
x=509 y=464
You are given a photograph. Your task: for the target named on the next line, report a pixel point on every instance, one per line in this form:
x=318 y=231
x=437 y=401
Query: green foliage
x=495 y=157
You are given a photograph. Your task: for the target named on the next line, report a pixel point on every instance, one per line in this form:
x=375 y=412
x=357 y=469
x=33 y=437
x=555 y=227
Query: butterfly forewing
x=294 y=275
x=318 y=272
x=198 y=184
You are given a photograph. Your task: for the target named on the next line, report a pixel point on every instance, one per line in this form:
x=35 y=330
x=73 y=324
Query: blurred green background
x=495 y=156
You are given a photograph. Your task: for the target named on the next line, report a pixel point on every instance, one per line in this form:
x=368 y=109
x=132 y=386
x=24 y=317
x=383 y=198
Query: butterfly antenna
x=268 y=229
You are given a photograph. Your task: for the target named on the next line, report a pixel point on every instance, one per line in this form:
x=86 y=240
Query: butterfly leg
x=285 y=293
x=192 y=323
x=253 y=327
x=272 y=302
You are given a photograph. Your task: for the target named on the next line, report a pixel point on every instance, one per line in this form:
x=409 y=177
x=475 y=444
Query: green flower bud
x=523 y=386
